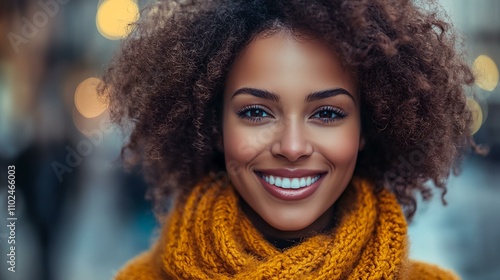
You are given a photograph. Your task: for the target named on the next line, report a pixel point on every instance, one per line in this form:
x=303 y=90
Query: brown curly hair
x=168 y=80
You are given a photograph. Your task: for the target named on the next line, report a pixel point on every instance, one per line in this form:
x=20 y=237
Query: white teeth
x=302 y=182
x=291 y=183
x=277 y=183
x=286 y=183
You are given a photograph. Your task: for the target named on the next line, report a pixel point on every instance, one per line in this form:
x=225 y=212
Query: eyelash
x=243 y=113
x=338 y=114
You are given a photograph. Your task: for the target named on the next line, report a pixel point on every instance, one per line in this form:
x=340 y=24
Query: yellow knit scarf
x=213 y=239
x=207 y=236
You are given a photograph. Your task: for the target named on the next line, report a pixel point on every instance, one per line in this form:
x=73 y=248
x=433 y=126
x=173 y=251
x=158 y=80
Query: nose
x=293 y=142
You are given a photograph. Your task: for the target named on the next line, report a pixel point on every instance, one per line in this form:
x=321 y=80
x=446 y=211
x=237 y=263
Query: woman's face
x=291 y=129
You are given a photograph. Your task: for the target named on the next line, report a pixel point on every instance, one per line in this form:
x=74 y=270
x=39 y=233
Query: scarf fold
x=209 y=237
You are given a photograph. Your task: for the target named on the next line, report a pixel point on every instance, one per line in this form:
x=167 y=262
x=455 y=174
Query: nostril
x=292 y=152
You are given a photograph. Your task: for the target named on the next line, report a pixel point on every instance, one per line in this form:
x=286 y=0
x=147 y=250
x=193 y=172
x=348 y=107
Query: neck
x=324 y=223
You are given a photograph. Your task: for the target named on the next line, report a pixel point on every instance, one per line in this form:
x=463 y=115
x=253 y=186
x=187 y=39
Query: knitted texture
x=207 y=236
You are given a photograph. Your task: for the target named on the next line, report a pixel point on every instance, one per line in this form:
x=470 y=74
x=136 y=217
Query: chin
x=294 y=227
x=289 y=223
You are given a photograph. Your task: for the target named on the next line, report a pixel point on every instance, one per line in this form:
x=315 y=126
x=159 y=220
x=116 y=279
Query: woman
x=292 y=136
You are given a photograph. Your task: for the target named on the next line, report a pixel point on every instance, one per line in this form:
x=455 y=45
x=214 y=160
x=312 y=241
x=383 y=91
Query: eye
x=329 y=114
x=253 y=113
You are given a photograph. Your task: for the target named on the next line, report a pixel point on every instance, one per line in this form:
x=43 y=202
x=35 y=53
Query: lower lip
x=290 y=194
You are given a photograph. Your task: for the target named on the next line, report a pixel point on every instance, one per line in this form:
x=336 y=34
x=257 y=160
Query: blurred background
x=80 y=216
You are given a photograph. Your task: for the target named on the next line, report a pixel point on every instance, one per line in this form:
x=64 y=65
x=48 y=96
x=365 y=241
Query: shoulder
x=425 y=271
x=145 y=266
x=139 y=268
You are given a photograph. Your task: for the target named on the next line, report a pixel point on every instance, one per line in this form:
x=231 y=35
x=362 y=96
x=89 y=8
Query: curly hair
x=167 y=81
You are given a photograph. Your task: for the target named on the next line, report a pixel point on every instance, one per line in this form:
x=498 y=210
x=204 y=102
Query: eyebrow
x=260 y=93
x=264 y=94
x=328 y=93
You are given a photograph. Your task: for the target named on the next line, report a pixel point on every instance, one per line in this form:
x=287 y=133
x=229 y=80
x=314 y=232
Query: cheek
x=340 y=147
x=240 y=144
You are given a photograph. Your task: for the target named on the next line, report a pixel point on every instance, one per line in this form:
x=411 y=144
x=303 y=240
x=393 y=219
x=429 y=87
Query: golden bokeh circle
x=486 y=72
x=114 y=16
x=87 y=101
x=477 y=115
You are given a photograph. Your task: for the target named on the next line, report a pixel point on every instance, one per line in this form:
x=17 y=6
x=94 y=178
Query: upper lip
x=290 y=173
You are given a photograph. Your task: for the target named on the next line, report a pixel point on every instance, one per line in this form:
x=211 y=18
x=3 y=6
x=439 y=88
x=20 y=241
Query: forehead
x=282 y=62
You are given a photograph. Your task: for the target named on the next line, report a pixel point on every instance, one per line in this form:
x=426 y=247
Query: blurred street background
x=81 y=217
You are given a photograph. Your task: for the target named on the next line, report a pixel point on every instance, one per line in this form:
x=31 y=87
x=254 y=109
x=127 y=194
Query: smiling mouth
x=290 y=183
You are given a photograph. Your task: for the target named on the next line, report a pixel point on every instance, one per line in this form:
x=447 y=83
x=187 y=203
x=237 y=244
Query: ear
x=220 y=143
x=361 y=142
x=218 y=140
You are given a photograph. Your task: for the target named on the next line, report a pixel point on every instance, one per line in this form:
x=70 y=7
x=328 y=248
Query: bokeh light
x=477 y=115
x=87 y=101
x=114 y=16
x=86 y=126
x=487 y=72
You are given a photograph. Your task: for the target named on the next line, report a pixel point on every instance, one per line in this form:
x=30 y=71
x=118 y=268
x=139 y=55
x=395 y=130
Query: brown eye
x=329 y=114
x=326 y=114
x=256 y=113
x=253 y=113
